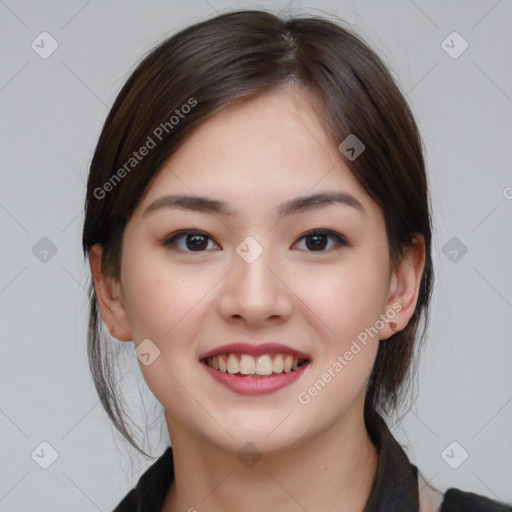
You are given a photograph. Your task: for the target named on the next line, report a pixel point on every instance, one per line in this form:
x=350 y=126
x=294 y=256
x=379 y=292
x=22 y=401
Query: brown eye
x=318 y=239
x=195 y=241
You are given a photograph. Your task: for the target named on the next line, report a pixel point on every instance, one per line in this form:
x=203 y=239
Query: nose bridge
x=254 y=277
x=253 y=291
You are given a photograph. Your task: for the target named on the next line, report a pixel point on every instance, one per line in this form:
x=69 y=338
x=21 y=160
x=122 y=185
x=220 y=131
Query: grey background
x=52 y=111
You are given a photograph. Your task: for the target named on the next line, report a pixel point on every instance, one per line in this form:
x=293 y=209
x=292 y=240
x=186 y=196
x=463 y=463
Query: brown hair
x=214 y=63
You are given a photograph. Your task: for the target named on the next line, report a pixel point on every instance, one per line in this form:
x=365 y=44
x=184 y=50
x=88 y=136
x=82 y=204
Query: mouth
x=262 y=366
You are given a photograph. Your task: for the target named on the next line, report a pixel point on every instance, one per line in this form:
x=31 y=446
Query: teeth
x=264 y=365
x=233 y=366
x=249 y=365
x=278 y=363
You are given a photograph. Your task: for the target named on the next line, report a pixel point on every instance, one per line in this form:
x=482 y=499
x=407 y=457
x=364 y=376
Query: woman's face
x=253 y=277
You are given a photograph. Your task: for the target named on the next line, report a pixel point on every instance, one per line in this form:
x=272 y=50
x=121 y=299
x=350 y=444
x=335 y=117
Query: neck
x=333 y=470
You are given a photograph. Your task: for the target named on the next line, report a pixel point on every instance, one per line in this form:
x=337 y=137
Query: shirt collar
x=395 y=488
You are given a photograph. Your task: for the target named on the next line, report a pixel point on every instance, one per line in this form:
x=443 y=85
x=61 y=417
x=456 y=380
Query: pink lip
x=254 y=350
x=248 y=385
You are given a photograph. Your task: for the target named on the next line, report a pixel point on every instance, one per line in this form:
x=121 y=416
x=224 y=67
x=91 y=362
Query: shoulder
x=456 y=500
x=128 y=504
x=432 y=499
x=395 y=470
x=151 y=489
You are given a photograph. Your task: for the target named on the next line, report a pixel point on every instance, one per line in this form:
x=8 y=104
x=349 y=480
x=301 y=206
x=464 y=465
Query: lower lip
x=247 y=385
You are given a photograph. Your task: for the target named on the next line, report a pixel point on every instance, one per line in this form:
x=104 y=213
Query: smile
x=265 y=365
x=248 y=375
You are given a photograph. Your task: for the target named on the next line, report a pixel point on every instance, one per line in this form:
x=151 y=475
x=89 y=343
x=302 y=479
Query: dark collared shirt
x=398 y=486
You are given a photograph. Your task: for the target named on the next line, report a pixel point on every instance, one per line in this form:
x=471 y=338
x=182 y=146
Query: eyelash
x=341 y=241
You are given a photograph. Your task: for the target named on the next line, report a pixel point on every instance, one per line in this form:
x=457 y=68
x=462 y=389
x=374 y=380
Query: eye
x=195 y=241
x=319 y=238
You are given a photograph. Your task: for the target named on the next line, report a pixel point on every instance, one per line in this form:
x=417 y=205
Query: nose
x=255 y=293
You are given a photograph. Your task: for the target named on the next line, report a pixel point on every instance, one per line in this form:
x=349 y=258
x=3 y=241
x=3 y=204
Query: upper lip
x=254 y=350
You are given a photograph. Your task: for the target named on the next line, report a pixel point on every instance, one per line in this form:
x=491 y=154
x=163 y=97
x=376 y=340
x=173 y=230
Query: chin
x=265 y=434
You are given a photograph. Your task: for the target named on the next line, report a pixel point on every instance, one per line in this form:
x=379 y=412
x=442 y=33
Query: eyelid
x=170 y=240
x=341 y=240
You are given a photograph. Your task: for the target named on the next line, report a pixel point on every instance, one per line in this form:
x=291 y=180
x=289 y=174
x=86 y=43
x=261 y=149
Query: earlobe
x=109 y=297
x=404 y=288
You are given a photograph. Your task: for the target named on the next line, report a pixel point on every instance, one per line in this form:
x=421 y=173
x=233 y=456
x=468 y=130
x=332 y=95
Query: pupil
x=313 y=242
x=197 y=241
x=318 y=244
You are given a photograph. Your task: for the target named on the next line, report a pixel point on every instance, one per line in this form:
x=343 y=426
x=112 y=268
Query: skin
x=255 y=155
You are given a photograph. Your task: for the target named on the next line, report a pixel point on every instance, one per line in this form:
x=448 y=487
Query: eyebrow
x=293 y=206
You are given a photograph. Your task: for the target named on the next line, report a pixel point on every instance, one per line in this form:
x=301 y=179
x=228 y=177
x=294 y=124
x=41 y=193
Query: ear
x=404 y=287
x=109 y=296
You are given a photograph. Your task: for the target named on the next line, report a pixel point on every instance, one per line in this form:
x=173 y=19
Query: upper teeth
x=249 y=365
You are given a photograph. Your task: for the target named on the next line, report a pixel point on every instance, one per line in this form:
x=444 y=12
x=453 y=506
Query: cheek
x=345 y=303
x=346 y=306
x=160 y=306
x=157 y=295
x=167 y=303
x=346 y=299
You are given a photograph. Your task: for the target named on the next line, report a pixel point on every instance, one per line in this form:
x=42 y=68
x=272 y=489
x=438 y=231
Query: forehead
x=263 y=149
x=277 y=128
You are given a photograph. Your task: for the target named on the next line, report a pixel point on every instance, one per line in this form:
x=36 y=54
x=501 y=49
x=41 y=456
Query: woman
x=258 y=224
